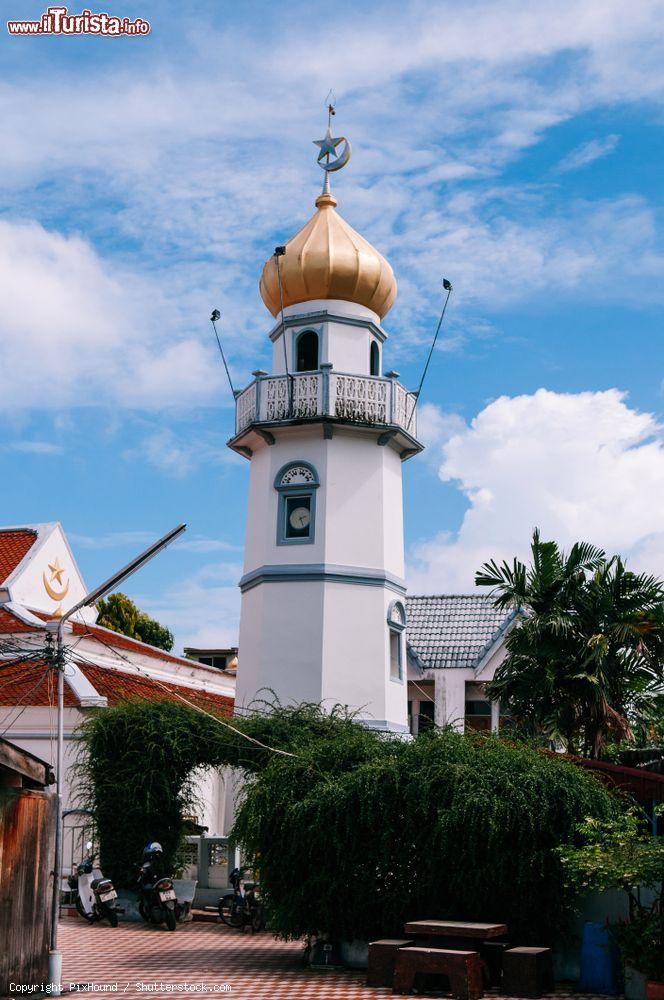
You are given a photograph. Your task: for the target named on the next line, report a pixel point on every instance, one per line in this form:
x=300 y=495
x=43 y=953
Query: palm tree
x=587 y=659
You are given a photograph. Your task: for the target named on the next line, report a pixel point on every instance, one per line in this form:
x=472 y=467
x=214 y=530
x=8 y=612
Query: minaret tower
x=326 y=433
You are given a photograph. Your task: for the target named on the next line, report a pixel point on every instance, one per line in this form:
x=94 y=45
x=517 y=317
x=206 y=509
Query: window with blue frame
x=306 y=352
x=296 y=484
x=396 y=623
x=374 y=358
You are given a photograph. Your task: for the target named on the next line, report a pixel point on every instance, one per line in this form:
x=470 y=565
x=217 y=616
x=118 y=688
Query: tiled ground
x=255 y=967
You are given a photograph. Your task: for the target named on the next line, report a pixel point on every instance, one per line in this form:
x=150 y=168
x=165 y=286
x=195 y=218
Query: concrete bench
x=462 y=968
x=527 y=972
x=382 y=956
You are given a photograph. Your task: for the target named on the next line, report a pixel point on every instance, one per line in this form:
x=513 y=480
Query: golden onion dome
x=327 y=259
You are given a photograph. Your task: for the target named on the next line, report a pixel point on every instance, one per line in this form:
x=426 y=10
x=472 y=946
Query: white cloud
x=434 y=428
x=203 y=609
x=33 y=448
x=578 y=466
x=179 y=455
x=78 y=330
x=112 y=539
x=186 y=179
x=122 y=539
x=588 y=152
x=495 y=255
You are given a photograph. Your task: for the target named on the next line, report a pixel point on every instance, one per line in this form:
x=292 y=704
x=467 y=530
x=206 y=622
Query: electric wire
x=20 y=702
x=169 y=689
x=29 y=660
x=426 y=695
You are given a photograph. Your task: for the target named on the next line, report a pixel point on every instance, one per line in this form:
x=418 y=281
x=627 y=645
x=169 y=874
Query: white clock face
x=299 y=518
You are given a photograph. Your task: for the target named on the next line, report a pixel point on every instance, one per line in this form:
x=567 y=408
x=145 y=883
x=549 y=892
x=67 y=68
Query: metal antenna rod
x=281 y=252
x=213 y=319
x=447 y=285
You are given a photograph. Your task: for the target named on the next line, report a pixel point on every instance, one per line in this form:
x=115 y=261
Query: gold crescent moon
x=57 y=595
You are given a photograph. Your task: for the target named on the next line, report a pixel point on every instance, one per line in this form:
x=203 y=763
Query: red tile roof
x=119 y=686
x=14 y=545
x=107 y=637
x=26 y=683
x=10 y=623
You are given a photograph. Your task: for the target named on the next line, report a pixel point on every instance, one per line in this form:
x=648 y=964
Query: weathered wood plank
x=25 y=763
x=27 y=827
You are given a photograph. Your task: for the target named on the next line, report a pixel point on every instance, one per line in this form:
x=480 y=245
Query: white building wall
x=450 y=697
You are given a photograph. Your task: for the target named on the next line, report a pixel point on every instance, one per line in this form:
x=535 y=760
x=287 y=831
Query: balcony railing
x=357 y=399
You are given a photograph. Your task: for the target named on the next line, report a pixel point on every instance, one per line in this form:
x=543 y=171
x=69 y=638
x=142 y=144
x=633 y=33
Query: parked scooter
x=95 y=895
x=156 y=895
x=242 y=907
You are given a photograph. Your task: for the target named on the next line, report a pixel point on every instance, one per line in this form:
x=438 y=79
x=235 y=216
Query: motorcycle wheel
x=79 y=907
x=171 y=922
x=229 y=913
x=143 y=912
x=112 y=914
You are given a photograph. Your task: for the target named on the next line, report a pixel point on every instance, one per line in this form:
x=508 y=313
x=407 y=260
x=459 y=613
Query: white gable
x=48 y=579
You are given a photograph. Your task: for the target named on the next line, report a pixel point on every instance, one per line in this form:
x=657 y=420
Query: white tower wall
x=314 y=617
x=346 y=346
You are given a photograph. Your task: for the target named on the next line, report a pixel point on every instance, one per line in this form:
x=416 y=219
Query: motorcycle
x=95 y=895
x=157 y=902
x=243 y=906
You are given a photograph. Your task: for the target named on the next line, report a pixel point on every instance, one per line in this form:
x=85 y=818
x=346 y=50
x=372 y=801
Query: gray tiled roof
x=453 y=630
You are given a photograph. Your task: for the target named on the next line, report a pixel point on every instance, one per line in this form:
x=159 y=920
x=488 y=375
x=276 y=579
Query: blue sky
x=512 y=147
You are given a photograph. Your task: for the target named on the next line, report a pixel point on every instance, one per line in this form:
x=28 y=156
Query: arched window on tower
x=296 y=484
x=374 y=359
x=396 y=625
x=307 y=352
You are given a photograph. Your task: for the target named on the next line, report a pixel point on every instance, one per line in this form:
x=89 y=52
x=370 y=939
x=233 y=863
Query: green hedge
x=358 y=832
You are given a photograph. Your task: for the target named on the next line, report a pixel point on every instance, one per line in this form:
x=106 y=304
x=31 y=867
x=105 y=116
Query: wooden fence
x=27 y=831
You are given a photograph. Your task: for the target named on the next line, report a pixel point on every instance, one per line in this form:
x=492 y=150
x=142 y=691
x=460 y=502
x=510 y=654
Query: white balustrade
x=359 y=399
x=245 y=408
x=307 y=395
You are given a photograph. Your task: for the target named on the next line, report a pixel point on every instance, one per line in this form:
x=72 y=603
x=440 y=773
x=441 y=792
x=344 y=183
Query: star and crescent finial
x=328 y=158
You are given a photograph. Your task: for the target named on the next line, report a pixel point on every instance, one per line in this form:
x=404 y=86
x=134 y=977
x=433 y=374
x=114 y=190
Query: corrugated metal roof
x=453 y=630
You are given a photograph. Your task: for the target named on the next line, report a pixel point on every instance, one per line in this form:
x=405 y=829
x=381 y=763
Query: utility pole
x=58 y=627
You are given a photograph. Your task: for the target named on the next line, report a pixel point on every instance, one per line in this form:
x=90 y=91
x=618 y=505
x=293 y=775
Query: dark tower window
x=374 y=363
x=307 y=352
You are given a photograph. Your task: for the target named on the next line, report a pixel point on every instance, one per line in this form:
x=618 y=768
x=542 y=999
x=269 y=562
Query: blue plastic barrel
x=600 y=961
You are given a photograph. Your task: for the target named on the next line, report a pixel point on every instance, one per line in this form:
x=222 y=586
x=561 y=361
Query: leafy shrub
x=357 y=832
x=623 y=854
